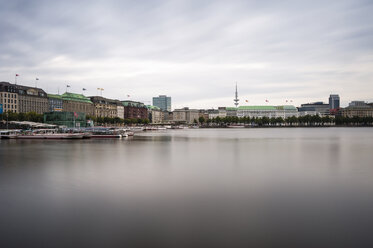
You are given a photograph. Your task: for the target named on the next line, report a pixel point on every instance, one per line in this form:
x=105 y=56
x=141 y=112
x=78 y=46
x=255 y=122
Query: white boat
x=9 y=134
x=136 y=129
x=49 y=134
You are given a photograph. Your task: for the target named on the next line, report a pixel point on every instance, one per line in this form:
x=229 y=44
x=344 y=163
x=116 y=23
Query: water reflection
x=187 y=188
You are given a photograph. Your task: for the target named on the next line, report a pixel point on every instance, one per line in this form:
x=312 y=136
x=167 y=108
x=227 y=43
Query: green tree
x=201 y=119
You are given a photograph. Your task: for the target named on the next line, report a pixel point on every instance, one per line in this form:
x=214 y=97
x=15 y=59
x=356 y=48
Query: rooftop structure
x=358 y=104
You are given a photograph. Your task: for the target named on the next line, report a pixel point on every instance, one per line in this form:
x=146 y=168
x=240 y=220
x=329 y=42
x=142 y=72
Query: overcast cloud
x=193 y=51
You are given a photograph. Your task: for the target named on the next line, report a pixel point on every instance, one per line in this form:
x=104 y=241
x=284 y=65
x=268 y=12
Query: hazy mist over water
x=304 y=187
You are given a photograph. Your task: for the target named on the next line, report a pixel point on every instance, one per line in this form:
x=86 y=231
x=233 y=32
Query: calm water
x=191 y=188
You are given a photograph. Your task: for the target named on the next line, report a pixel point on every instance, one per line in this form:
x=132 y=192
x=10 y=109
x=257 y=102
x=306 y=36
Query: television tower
x=236 y=100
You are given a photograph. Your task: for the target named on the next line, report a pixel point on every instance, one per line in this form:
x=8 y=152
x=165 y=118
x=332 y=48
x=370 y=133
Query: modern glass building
x=334 y=102
x=68 y=119
x=163 y=102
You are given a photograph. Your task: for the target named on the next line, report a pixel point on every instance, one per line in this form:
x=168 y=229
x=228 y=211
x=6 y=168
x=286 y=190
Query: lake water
x=302 y=187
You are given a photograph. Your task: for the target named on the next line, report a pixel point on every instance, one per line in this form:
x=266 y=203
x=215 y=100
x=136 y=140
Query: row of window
x=8 y=95
x=9 y=101
x=10 y=106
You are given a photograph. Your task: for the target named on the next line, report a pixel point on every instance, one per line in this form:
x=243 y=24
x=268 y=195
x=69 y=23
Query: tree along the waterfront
x=307 y=120
x=30 y=116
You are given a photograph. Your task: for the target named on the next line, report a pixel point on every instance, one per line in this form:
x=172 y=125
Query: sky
x=193 y=51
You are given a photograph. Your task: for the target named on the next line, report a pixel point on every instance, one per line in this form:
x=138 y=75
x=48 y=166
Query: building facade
x=55 y=103
x=315 y=108
x=357 y=108
x=8 y=98
x=23 y=99
x=231 y=111
x=105 y=107
x=267 y=111
x=77 y=103
x=156 y=115
x=163 y=102
x=120 y=109
x=185 y=115
x=134 y=110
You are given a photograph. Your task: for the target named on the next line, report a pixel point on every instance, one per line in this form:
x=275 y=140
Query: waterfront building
x=185 y=115
x=231 y=111
x=168 y=116
x=32 y=100
x=267 y=111
x=357 y=108
x=221 y=112
x=212 y=113
x=136 y=110
x=72 y=102
x=334 y=102
x=23 y=99
x=314 y=108
x=68 y=119
x=163 y=102
x=105 y=107
x=155 y=114
x=55 y=102
x=120 y=109
x=203 y=113
x=8 y=97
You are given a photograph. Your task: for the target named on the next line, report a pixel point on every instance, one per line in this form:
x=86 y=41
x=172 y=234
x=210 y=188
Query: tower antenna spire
x=236 y=100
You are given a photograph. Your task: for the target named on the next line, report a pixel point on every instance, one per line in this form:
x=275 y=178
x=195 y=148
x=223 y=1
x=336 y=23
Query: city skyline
x=190 y=50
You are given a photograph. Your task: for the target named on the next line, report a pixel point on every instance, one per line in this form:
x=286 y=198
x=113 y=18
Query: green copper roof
x=55 y=96
x=153 y=107
x=231 y=108
x=75 y=97
x=286 y=107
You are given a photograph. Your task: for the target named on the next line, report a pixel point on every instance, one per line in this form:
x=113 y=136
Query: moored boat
x=9 y=134
x=107 y=133
x=51 y=136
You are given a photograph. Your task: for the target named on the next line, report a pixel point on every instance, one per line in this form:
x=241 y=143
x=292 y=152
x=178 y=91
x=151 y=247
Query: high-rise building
x=334 y=102
x=163 y=102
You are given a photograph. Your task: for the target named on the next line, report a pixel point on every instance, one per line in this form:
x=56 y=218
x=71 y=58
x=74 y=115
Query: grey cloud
x=192 y=50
